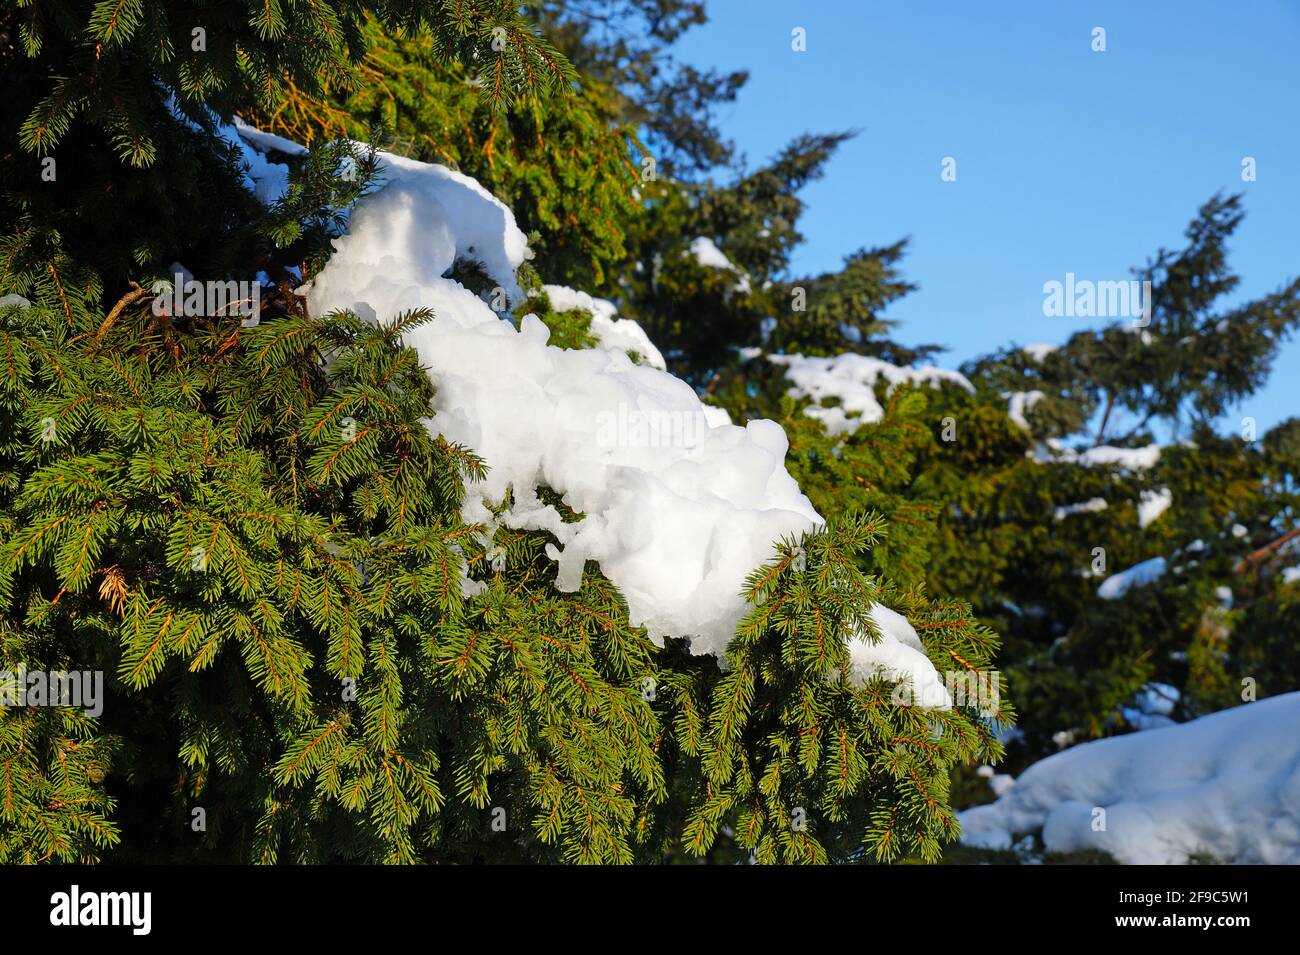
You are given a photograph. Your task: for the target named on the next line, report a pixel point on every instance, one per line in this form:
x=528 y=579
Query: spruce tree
x=311 y=654
x=279 y=603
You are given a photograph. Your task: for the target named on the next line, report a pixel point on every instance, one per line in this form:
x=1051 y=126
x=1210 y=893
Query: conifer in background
x=1028 y=535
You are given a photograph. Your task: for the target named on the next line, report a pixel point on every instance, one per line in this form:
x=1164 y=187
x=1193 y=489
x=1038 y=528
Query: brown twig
x=1255 y=558
x=123 y=303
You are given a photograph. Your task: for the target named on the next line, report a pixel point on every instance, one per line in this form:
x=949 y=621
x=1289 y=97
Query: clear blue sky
x=1068 y=160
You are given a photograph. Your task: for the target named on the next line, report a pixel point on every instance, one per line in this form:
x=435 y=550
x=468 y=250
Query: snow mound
x=851 y=380
x=612 y=332
x=1227 y=784
x=404 y=238
x=677 y=504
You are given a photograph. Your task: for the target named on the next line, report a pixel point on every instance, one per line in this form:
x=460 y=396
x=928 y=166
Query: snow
x=676 y=517
x=1139 y=575
x=1152 y=707
x=678 y=504
x=1018 y=402
x=1227 y=784
x=1151 y=504
x=706 y=253
x=1090 y=506
x=1128 y=459
x=267 y=142
x=1132 y=459
x=404 y=237
x=1000 y=783
x=898 y=656
x=267 y=180
x=1239 y=531
x=612 y=332
x=1038 y=351
x=851 y=379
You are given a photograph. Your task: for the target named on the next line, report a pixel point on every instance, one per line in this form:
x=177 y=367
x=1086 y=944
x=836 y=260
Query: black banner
x=140 y=905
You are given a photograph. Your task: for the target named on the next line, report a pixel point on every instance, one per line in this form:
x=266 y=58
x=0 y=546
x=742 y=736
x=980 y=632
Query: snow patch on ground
x=1227 y=784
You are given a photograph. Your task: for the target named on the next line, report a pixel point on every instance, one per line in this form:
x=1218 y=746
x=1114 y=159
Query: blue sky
x=1068 y=160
